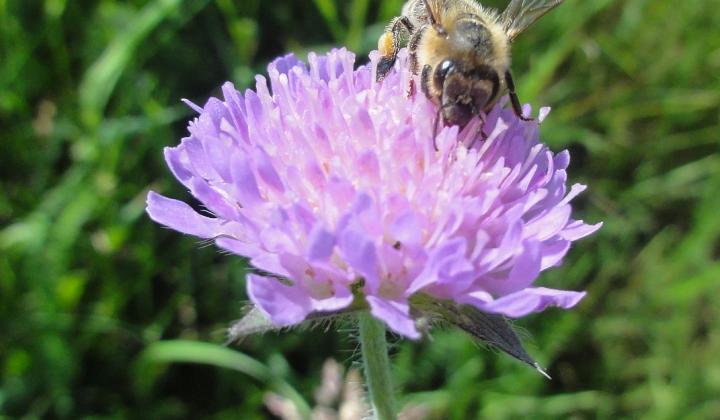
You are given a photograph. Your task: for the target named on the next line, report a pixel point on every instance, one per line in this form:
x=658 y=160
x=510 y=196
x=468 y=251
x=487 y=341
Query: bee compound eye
x=445 y=67
x=441 y=72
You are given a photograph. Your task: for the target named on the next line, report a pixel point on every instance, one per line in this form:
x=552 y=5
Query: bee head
x=465 y=92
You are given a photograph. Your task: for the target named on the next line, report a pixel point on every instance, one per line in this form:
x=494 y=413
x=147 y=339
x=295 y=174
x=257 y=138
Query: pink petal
x=553 y=252
x=320 y=244
x=524 y=271
x=213 y=199
x=448 y=251
x=578 y=230
x=178 y=163
x=406 y=229
x=395 y=314
x=531 y=300
x=341 y=299
x=548 y=225
x=283 y=64
x=266 y=171
x=361 y=255
x=181 y=217
x=243 y=178
x=284 y=305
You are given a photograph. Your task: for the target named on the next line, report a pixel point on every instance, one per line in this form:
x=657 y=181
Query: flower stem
x=377 y=366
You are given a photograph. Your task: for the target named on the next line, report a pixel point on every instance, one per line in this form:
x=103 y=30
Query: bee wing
x=434 y=10
x=520 y=14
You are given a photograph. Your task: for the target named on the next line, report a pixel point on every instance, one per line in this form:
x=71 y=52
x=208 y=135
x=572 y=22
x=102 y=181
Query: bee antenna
x=433 y=19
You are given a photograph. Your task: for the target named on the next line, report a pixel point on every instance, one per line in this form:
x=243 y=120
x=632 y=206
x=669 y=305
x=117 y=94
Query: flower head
x=329 y=183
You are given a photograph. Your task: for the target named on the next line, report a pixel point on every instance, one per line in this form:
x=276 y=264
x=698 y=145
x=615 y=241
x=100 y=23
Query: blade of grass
x=358 y=13
x=100 y=80
x=533 y=82
x=182 y=351
x=330 y=15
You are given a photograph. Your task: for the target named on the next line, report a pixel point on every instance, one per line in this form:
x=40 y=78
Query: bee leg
x=412 y=48
x=425 y=80
x=389 y=44
x=435 y=129
x=414 y=65
x=425 y=86
x=517 y=108
x=480 y=132
x=387 y=61
x=437 y=122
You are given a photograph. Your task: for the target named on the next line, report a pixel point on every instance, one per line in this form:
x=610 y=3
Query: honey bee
x=461 y=50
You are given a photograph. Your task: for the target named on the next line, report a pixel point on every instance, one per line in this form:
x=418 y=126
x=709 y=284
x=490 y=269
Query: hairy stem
x=377 y=366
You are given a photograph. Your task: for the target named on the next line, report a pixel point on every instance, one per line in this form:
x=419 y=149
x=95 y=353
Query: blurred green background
x=90 y=288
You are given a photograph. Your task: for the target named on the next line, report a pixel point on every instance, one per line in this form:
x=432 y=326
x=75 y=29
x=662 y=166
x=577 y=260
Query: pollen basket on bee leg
x=386 y=43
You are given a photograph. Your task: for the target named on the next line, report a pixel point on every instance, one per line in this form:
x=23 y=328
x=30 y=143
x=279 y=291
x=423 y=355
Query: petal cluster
x=329 y=183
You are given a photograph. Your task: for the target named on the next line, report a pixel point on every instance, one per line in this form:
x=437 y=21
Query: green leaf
x=490 y=329
x=253 y=322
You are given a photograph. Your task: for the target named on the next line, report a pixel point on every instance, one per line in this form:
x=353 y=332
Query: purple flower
x=329 y=183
